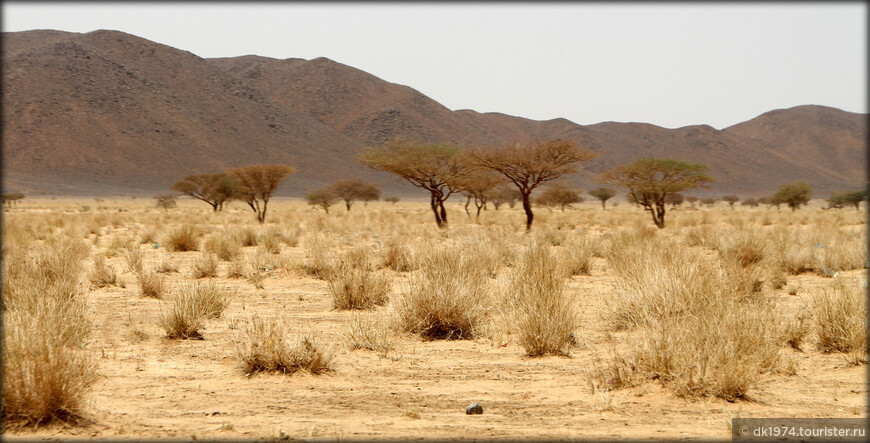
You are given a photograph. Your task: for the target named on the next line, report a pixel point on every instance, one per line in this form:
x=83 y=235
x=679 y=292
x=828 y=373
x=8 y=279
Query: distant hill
x=110 y=113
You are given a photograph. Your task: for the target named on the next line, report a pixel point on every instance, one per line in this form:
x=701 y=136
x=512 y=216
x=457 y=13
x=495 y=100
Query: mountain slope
x=109 y=113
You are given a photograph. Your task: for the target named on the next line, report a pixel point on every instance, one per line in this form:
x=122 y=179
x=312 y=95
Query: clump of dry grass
x=263 y=347
x=545 y=314
x=204 y=266
x=101 y=274
x=698 y=331
x=133 y=257
x=245 y=236
x=236 y=268
x=446 y=298
x=185 y=312
x=46 y=374
x=223 y=246
x=576 y=256
x=353 y=284
x=369 y=333
x=182 y=238
x=398 y=256
x=794 y=330
x=166 y=266
x=840 y=313
x=319 y=262
x=151 y=284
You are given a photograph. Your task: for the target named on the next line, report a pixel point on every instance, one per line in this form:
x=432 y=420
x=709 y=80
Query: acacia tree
x=603 y=194
x=559 y=194
x=12 y=197
x=731 y=199
x=433 y=167
x=323 y=197
x=842 y=198
x=504 y=193
x=751 y=202
x=351 y=190
x=793 y=194
x=651 y=180
x=259 y=183
x=478 y=185
x=214 y=189
x=529 y=165
x=165 y=201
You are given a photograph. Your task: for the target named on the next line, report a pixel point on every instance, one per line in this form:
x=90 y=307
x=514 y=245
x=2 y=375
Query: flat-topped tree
x=214 y=189
x=433 y=167
x=259 y=183
x=559 y=194
x=793 y=194
x=651 y=180
x=352 y=190
x=12 y=197
x=731 y=199
x=531 y=164
x=479 y=185
x=603 y=194
x=842 y=198
x=323 y=197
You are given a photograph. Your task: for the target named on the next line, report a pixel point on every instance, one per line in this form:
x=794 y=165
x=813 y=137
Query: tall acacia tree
x=479 y=185
x=603 y=194
x=214 y=189
x=651 y=180
x=260 y=182
x=529 y=165
x=433 y=167
x=793 y=194
x=351 y=190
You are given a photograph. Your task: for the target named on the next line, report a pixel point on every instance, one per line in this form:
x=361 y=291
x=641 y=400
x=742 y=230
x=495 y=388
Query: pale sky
x=669 y=64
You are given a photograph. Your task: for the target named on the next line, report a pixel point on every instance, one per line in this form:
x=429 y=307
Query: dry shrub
x=263 y=347
x=320 y=261
x=166 y=266
x=446 y=298
x=271 y=239
x=840 y=311
x=745 y=247
x=839 y=250
x=185 y=312
x=46 y=374
x=102 y=275
x=204 y=266
x=222 y=245
x=546 y=315
x=576 y=256
x=699 y=332
x=369 y=333
x=354 y=285
x=550 y=236
x=151 y=284
x=398 y=256
x=133 y=257
x=245 y=236
x=794 y=330
x=148 y=235
x=182 y=238
x=236 y=268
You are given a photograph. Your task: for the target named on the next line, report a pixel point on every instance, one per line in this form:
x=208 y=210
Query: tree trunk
x=433 y=203
x=443 y=213
x=527 y=206
x=467 y=201
x=603 y=205
x=658 y=214
x=347 y=203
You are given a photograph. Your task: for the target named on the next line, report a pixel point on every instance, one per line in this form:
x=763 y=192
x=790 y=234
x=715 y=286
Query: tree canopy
x=650 y=180
x=436 y=168
x=603 y=194
x=214 y=189
x=793 y=194
x=260 y=182
x=529 y=165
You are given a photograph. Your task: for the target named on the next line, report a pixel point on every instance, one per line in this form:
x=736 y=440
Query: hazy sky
x=670 y=64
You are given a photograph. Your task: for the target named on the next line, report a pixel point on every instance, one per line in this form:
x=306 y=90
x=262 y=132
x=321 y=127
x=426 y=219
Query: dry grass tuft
x=102 y=275
x=446 y=298
x=184 y=313
x=204 y=266
x=151 y=284
x=263 y=347
x=546 y=316
x=369 y=333
x=182 y=238
x=398 y=256
x=840 y=312
x=224 y=246
x=354 y=285
x=133 y=257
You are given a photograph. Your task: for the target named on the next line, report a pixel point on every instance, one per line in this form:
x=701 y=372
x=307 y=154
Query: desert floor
x=152 y=387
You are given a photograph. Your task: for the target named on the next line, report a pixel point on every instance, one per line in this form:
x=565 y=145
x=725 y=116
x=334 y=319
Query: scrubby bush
x=224 y=246
x=102 y=275
x=546 y=315
x=840 y=313
x=446 y=298
x=263 y=347
x=151 y=284
x=182 y=238
x=353 y=284
x=185 y=312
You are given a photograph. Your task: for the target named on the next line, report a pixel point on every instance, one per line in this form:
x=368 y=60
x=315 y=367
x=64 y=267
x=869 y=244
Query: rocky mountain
x=109 y=113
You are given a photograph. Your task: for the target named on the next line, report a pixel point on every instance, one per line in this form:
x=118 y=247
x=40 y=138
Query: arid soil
x=152 y=387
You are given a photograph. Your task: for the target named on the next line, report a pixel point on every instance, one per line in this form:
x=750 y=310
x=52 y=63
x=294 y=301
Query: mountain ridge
x=107 y=112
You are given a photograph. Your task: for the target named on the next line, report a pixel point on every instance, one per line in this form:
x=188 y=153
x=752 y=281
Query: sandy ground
x=151 y=387
x=161 y=388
